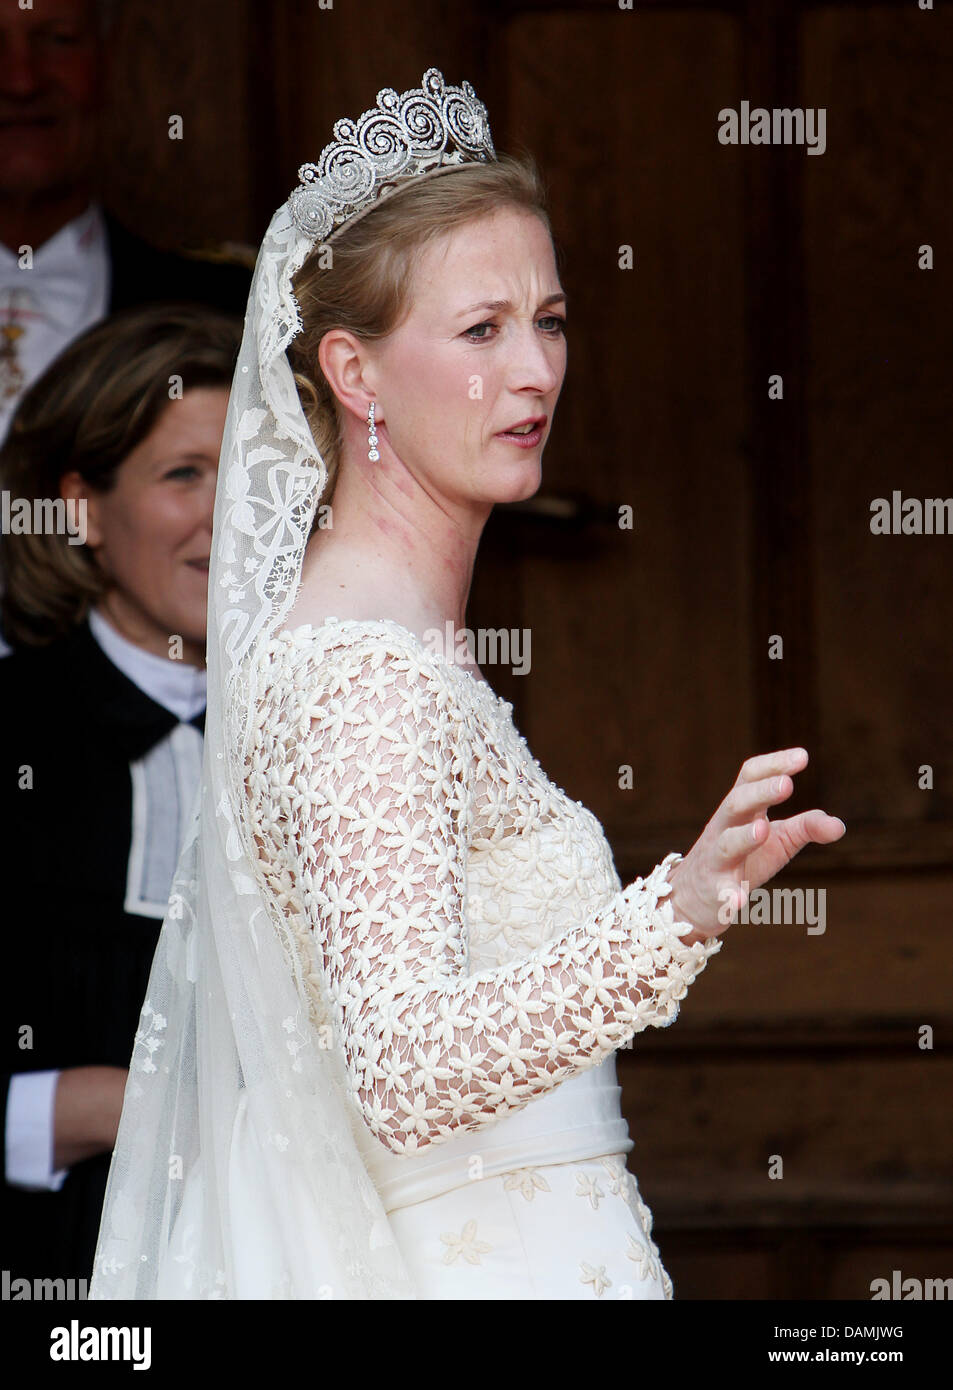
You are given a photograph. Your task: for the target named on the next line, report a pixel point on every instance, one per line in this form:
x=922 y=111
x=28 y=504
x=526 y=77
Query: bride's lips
x=532 y=438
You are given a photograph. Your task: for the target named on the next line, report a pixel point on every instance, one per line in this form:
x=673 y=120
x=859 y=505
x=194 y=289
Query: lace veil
x=236 y=1172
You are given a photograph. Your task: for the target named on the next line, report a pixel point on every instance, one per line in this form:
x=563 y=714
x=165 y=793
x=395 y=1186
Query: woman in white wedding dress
x=377 y=1059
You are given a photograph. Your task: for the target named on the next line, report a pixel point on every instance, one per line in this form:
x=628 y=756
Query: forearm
x=86 y=1114
x=428 y=1061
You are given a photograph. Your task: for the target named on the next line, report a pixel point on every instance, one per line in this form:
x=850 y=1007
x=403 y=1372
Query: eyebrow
x=495 y=305
x=177 y=460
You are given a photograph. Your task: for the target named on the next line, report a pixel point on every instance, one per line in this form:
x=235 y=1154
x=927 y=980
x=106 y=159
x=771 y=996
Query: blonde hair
x=366 y=288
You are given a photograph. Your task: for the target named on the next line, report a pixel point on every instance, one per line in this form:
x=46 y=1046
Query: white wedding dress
x=482 y=959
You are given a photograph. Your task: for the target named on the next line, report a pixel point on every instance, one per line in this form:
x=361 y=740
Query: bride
x=377 y=1056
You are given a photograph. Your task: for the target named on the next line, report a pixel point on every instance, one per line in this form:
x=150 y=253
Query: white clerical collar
x=179 y=688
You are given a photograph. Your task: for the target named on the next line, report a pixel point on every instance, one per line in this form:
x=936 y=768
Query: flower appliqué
x=616 y=1170
x=645 y=1262
x=527 y=1181
x=589 y=1187
x=596 y=1276
x=465 y=1244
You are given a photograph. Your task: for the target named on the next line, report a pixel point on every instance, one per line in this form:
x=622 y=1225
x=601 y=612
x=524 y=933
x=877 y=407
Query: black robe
x=76 y=963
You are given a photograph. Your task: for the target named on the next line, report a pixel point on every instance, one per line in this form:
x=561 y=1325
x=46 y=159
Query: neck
x=30 y=220
x=132 y=624
x=416 y=553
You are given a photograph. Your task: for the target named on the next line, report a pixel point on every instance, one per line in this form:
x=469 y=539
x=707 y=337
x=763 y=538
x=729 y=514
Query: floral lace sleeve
x=376 y=787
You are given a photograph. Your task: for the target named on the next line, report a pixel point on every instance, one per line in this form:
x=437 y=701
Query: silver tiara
x=424 y=130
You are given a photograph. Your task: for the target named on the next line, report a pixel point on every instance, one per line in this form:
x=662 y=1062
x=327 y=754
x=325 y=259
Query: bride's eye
x=482 y=338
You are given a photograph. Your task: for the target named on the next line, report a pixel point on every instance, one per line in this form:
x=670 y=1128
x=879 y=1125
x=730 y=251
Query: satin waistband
x=578 y=1119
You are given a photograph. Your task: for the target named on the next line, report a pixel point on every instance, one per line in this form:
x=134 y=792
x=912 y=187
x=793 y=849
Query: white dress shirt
x=182 y=690
x=65 y=292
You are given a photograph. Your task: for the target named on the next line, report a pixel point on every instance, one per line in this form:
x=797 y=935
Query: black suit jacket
x=76 y=964
x=142 y=274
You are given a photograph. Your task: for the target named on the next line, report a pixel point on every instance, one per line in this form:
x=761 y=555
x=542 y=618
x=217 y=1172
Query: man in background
x=65 y=261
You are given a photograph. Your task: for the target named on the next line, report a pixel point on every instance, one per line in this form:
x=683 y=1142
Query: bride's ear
x=346 y=364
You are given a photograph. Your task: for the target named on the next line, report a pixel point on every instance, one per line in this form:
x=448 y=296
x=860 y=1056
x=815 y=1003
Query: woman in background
x=103 y=716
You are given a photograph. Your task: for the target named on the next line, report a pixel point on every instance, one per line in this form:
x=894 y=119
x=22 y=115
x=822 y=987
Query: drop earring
x=372 y=452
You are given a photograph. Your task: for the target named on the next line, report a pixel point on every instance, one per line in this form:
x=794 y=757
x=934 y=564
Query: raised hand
x=739 y=844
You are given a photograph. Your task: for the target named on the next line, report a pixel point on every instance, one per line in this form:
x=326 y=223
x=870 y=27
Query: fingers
x=812 y=827
x=789 y=836
x=789 y=760
x=740 y=830
x=748 y=799
x=737 y=843
x=780 y=841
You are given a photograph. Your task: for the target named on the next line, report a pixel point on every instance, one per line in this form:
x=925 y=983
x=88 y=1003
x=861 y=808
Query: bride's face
x=482 y=349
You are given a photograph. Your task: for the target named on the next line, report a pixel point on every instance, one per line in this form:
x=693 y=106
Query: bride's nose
x=533 y=364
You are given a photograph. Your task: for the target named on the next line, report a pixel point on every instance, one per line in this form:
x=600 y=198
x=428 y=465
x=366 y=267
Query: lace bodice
x=476 y=943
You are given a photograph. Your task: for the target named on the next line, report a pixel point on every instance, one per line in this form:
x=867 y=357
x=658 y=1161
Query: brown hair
x=96 y=403
x=366 y=287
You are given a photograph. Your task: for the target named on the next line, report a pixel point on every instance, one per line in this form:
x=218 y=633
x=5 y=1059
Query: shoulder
x=31 y=671
x=40 y=714
x=354 y=680
x=361 y=698
x=369 y=654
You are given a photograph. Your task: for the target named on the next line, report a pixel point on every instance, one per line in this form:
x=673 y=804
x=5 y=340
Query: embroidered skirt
x=576 y=1230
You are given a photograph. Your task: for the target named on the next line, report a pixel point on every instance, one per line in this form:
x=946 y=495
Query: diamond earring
x=372 y=452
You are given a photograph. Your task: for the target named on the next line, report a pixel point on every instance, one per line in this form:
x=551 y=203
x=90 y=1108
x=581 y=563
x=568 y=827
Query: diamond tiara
x=424 y=131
